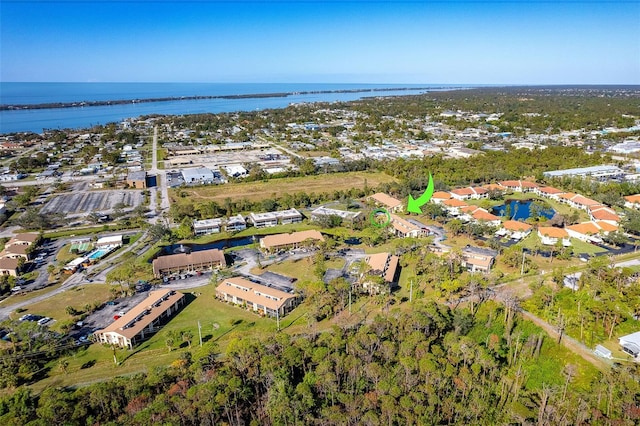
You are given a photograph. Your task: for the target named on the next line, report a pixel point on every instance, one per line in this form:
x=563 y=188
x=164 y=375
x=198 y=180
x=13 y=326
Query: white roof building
x=113 y=240
x=197 y=175
x=631 y=344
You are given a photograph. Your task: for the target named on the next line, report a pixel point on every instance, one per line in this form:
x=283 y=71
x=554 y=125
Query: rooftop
x=255 y=293
x=143 y=314
x=323 y=211
x=385 y=199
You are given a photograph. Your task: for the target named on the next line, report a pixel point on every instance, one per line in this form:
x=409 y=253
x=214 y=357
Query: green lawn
x=302 y=269
x=77 y=297
x=17 y=298
x=220 y=322
x=582 y=247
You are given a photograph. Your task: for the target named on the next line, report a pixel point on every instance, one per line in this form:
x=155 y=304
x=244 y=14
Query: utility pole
x=411 y=290
x=522 y=268
x=200 y=333
x=349 y=299
x=278 y=318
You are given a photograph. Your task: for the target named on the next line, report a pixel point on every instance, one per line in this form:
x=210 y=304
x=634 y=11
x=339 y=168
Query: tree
x=455 y=226
x=158 y=232
x=187 y=336
x=185 y=230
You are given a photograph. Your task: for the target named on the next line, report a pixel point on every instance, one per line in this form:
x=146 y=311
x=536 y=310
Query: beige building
x=16 y=251
x=392 y=204
x=288 y=241
x=265 y=300
x=9 y=267
x=137 y=180
x=404 y=228
x=383 y=265
x=477 y=259
x=188 y=262
x=143 y=320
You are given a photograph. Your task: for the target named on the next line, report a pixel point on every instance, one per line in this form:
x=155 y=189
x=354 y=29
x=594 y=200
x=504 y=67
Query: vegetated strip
x=54 y=105
x=277 y=187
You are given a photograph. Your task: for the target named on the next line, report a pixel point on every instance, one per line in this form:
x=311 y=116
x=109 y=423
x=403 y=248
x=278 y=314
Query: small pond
x=522 y=209
x=222 y=244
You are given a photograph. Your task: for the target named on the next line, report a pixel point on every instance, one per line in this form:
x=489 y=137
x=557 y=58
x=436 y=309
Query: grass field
x=22 y=297
x=220 y=323
x=55 y=307
x=274 y=188
x=301 y=269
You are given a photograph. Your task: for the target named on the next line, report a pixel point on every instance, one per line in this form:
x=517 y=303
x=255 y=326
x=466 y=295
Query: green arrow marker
x=414 y=205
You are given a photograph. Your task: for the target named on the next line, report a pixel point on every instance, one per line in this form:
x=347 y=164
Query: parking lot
x=101 y=318
x=265 y=157
x=82 y=203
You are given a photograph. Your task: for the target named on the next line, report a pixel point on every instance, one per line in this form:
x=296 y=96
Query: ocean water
x=36 y=120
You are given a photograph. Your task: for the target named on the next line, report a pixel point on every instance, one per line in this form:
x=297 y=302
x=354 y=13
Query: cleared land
x=255 y=191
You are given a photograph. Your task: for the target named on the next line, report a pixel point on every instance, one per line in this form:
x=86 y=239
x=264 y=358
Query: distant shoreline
x=82 y=104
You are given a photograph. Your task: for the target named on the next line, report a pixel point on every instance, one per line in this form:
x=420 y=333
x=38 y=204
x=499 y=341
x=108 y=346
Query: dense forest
x=429 y=365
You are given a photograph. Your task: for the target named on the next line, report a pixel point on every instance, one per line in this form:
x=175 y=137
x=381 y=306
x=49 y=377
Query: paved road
x=96 y=272
x=504 y=292
x=161 y=189
x=569 y=342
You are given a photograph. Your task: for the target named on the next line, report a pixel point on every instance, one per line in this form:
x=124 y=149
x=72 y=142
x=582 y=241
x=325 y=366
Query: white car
x=43 y=321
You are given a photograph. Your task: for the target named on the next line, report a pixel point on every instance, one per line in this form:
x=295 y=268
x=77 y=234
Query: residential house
x=322 y=213
x=591 y=231
x=516 y=230
x=632 y=201
x=439 y=196
x=24 y=239
x=453 y=206
x=207 y=226
x=550 y=235
x=276 y=242
x=577 y=201
x=549 y=192
x=393 y=205
x=143 y=320
x=384 y=265
x=404 y=228
x=469 y=193
x=265 y=220
x=477 y=259
x=260 y=298
x=235 y=223
x=493 y=187
x=519 y=185
x=483 y=216
x=188 y=262
x=16 y=251
x=9 y=266
x=603 y=213
x=631 y=344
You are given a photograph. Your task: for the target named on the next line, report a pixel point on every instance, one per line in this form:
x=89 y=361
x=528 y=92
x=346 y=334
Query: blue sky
x=465 y=42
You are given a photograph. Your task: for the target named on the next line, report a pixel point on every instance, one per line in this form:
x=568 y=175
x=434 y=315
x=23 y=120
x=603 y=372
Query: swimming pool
x=99 y=253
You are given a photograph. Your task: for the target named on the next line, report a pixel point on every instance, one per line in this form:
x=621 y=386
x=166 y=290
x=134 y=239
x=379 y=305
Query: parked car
x=43 y=321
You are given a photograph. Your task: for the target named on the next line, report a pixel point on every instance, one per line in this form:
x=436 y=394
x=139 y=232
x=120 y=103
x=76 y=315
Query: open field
x=220 y=323
x=22 y=297
x=255 y=191
x=302 y=269
x=55 y=306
